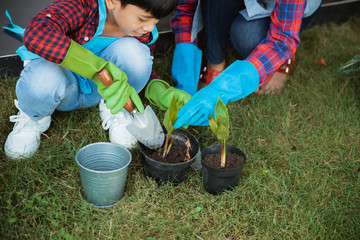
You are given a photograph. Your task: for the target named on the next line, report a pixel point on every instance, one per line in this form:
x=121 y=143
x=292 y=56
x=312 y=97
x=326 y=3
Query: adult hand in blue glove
x=235 y=82
x=186 y=67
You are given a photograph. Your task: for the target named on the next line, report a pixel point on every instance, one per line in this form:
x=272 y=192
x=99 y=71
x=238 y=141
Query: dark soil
x=176 y=155
x=232 y=160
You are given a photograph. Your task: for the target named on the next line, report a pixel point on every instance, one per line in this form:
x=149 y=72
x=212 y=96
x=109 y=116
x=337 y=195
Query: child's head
x=138 y=17
x=157 y=8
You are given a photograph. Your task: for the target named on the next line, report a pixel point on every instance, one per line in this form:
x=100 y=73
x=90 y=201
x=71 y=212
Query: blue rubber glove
x=235 y=82
x=186 y=67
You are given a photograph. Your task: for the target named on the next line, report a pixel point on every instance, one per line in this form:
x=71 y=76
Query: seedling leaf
x=213 y=125
x=173 y=110
x=223 y=120
x=351 y=67
x=223 y=133
x=169 y=121
x=220 y=109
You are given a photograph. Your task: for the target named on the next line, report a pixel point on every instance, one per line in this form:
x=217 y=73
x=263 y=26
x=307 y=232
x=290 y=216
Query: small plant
x=169 y=121
x=351 y=67
x=220 y=126
x=194 y=214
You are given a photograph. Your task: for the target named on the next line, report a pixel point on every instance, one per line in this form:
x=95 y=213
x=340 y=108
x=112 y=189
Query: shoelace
x=114 y=120
x=20 y=117
x=22 y=121
x=107 y=123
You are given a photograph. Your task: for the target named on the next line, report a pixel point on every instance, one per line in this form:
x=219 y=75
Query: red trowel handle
x=106 y=78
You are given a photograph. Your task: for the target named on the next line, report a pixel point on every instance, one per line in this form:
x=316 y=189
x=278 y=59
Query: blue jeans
x=223 y=24
x=44 y=86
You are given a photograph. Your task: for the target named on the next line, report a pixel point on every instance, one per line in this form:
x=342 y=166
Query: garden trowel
x=145 y=127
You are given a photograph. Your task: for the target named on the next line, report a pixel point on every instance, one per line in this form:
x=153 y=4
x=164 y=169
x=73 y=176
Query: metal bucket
x=103 y=170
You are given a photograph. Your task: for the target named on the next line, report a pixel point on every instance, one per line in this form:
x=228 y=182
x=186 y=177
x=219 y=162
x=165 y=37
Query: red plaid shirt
x=49 y=33
x=181 y=22
x=280 y=44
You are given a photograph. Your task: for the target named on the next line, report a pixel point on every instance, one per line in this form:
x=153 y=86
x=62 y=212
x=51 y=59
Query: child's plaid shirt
x=49 y=33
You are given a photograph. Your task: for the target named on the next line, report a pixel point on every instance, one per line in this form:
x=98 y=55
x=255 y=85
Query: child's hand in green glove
x=83 y=62
x=117 y=94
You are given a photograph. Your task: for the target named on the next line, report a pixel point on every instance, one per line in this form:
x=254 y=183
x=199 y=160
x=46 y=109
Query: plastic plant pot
x=103 y=171
x=217 y=180
x=196 y=165
x=170 y=172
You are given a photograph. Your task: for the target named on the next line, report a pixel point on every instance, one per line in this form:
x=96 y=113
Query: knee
x=133 y=57
x=246 y=35
x=39 y=80
x=129 y=53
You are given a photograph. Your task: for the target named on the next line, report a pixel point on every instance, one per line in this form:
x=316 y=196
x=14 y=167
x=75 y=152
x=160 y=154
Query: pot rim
x=181 y=131
x=97 y=171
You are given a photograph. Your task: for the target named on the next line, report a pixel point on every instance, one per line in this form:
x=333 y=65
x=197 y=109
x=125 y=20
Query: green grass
x=301 y=180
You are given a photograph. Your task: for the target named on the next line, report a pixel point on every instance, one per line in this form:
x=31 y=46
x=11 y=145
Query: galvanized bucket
x=103 y=170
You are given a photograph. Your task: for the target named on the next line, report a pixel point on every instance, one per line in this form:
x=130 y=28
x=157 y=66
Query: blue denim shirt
x=255 y=10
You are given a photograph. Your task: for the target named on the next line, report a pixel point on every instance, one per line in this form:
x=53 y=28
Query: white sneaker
x=24 y=140
x=116 y=123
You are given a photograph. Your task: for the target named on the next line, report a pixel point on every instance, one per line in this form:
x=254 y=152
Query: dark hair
x=157 y=8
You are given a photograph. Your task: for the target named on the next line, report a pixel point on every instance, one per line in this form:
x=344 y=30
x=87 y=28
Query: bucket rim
x=104 y=143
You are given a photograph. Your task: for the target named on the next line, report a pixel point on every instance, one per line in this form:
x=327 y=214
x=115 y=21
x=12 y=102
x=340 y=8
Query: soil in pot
x=177 y=154
x=233 y=160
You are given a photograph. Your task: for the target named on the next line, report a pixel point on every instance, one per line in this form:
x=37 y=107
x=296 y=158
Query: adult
x=264 y=32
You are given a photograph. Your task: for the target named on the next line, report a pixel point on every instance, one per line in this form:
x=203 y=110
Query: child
x=65 y=45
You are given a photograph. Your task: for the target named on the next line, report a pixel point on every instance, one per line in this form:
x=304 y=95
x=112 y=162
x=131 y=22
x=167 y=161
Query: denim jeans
x=223 y=24
x=44 y=86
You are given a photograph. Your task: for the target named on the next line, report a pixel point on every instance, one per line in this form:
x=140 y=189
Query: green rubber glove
x=83 y=62
x=160 y=93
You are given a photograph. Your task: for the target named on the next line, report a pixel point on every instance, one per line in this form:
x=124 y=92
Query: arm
x=181 y=22
x=47 y=33
x=187 y=56
x=282 y=39
x=47 y=36
x=241 y=78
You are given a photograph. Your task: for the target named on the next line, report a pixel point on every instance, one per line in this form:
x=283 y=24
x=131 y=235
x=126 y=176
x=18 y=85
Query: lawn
x=301 y=180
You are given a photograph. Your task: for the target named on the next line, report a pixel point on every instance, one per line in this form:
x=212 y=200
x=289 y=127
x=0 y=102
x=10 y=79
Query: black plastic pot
x=218 y=180
x=170 y=172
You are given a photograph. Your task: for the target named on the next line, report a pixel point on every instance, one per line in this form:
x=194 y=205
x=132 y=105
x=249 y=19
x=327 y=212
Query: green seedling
x=220 y=126
x=351 y=67
x=169 y=121
x=195 y=213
